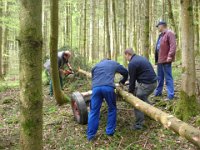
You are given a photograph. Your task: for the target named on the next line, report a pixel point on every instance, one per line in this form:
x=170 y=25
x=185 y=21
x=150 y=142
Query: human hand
x=169 y=59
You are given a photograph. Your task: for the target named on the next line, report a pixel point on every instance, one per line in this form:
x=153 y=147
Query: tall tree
x=196 y=30
x=59 y=95
x=31 y=101
x=146 y=46
x=107 y=29
x=85 y=31
x=187 y=105
x=115 y=29
x=1 y=56
x=45 y=28
x=171 y=17
x=5 y=40
x=92 y=30
x=163 y=10
x=124 y=31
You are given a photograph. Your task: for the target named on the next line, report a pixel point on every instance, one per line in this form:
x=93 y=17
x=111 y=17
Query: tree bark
x=31 y=100
x=124 y=33
x=92 y=31
x=163 y=10
x=168 y=121
x=85 y=31
x=115 y=29
x=146 y=30
x=171 y=17
x=44 y=29
x=5 y=42
x=196 y=31
x=58 y=94
x=1 y=56
x=107 y=29
x=187 y=106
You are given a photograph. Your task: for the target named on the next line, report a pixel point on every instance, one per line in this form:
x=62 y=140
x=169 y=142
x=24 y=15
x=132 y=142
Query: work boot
x=137 y=127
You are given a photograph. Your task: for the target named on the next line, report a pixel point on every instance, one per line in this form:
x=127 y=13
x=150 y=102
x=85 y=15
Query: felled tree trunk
x=168 y=121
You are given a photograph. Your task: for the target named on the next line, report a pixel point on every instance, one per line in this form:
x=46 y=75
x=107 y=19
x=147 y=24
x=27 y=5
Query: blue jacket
x=140 y=70
x=103 y=73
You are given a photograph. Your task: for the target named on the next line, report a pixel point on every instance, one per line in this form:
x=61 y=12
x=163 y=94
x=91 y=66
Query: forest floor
x=61 y=132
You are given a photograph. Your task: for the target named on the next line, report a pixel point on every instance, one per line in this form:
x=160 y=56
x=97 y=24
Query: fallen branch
x=168 y=121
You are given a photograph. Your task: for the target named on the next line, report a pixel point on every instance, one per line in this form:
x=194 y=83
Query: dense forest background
x=96 y=29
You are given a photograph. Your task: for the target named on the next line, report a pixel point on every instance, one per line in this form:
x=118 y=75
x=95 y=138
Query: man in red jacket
x=164 y=56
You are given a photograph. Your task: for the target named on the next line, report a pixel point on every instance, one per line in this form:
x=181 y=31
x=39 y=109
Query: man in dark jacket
x=103 y=87
x=164 y=56
x=140 y=70
x=63 y=59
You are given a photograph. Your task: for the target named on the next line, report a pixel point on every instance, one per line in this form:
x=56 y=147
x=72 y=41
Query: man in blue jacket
x=103 y=87
x=142 y=82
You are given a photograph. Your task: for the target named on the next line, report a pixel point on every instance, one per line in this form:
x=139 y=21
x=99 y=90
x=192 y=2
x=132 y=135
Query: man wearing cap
x=164 y=56
x=63 y=58
x=142 y=82
x=103 y=87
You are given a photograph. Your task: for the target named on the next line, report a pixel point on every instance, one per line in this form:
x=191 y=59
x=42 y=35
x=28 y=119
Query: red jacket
x=167 y=49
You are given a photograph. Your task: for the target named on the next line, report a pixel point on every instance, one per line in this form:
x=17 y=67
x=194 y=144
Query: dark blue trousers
x=98 y=95
x=164 y=71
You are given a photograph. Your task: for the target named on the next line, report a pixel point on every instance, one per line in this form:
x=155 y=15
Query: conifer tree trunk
x=31 y=101
x=5 y=42
x=1 y=56
x=196 y=30
x=92 y=31
x=124 y=33
x=107 y=29
x=44 y=29
x=85 y=31
x=171 y=17
x=146 y=33
x=187 y=105
x=115 y=29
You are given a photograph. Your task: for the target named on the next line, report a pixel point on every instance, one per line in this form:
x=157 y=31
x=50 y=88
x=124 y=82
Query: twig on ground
x=133 y=143
x=120 y=143
x=145 y=143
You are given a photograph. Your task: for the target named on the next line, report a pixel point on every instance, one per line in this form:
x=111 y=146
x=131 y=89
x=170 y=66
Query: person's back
x=142 y=70
x=103 y=88
x=104 y=72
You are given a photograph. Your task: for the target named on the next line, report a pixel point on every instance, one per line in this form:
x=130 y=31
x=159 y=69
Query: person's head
x=162 y=26
x=129 y=53
x=67 y=55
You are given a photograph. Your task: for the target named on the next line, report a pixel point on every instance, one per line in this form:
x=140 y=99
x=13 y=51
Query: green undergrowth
x=5 y=85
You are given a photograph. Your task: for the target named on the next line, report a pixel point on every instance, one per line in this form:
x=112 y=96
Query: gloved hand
x=133 y=92
x=67 y=72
